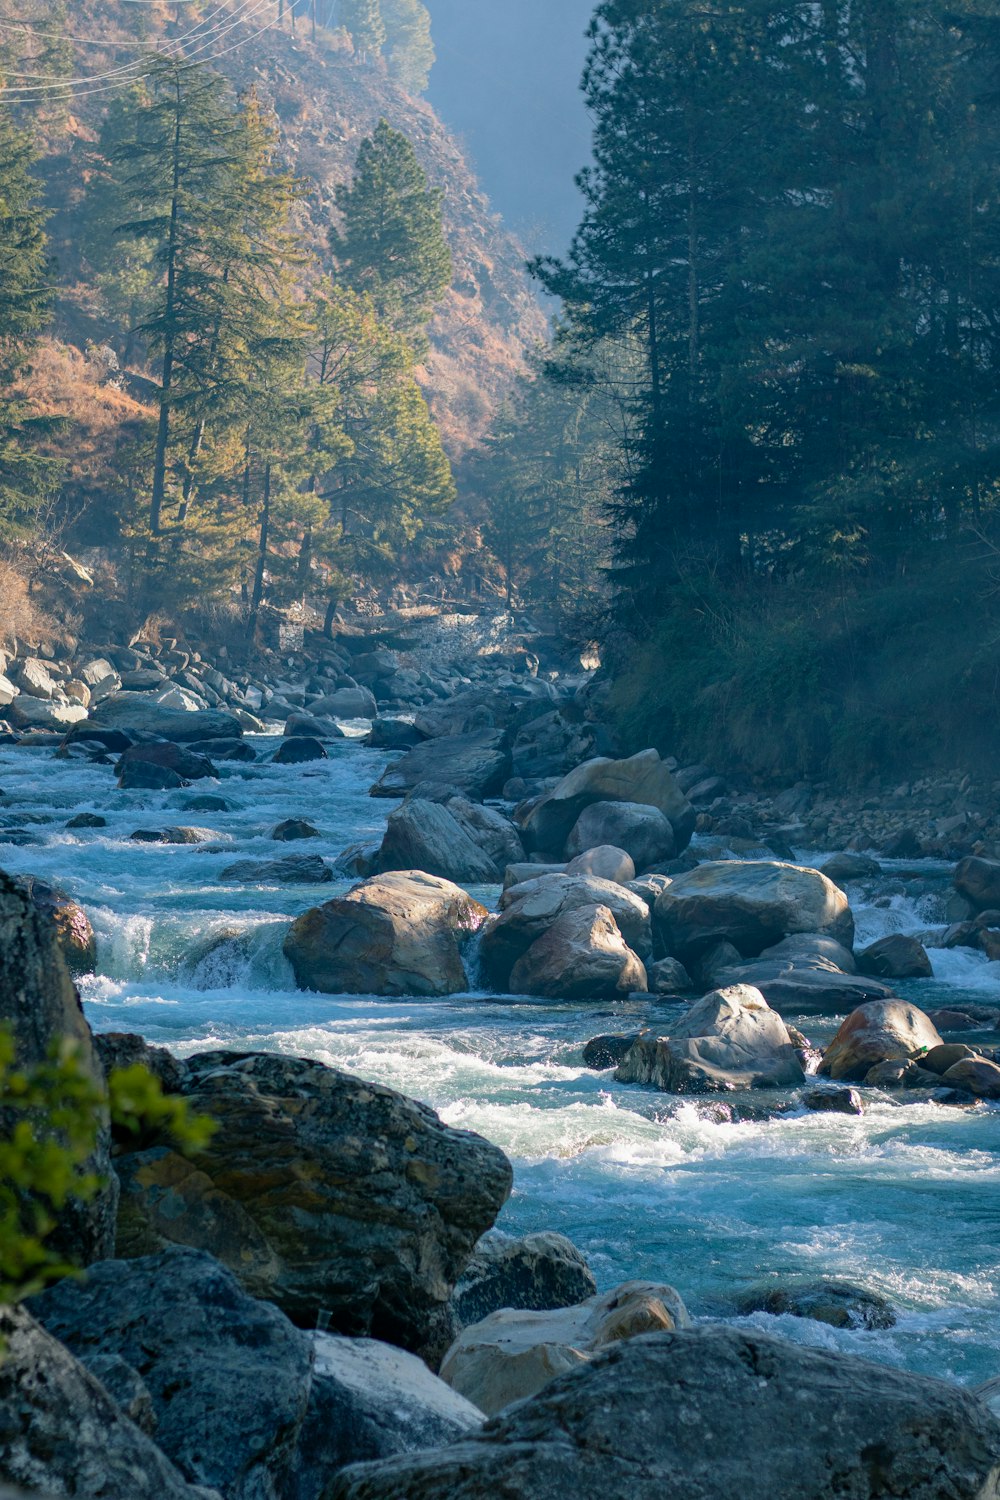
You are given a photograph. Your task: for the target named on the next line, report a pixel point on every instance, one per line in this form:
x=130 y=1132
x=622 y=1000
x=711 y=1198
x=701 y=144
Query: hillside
x=326 y=100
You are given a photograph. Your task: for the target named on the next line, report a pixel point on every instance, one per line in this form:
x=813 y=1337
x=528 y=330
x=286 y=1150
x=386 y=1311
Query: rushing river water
x=905 y=1200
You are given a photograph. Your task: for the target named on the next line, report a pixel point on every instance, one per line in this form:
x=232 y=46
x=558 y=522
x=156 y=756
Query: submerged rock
x=512 y=1354
x=294 y=869
x=752 y=904
x=838 y=1303
x=730 y=1039
x=395 y=934
x=713 y=1413
x=322 y=1194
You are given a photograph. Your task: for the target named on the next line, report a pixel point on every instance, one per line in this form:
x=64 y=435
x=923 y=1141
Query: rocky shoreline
x=320 y=1286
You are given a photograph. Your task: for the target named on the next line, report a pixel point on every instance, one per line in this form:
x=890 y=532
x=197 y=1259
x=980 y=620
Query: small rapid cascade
x=903 y=1200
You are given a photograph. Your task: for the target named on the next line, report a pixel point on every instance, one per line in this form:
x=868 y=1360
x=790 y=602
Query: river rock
x=752 y=905
x=298 y=751
x=644 y=779
x=810 y=947
x=512 y=1353
x=849 y=866
x=730 y=1039
x=346 y=703
x=813 y=987
x=528 y=910
x=294 y=869
x=178 y=835
x=710 y=1413
x=838 y=1303
x=396 y=934
x=155 y=713
x=552 y=746
x=308 y=726
x=189 y=765
x=833 y=1101
x=393 y=734
x=540 y=1271
x=604 y=861
x=881 y=1031
x=40 y=1005
x=123 y=1049
x=61 y=1433
x=896 y=957
x=456 y=841
x=978 y=880
x=35 y=679
x=667 y=976
x=581 y=956
x=39 y=713
x=976 y=1075
x=86 y=820
x=645 y=833
x=477 y=764
x=520 y=871
x=293 y=829
x=8 y=691
x=608 y=1050
x=74 y=933
x=321 y=1193
x=144 y=776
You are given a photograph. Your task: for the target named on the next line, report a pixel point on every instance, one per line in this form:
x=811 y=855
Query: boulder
x=833 y=1101
x=307 y=726
x=978 y=880
x=35 y=680
x=393 y=734
x=851 y=867
x=644 y=779
x=520 y=871
x=838 y=1303
x=321 y=1193
x=346 y=703
x=645 y=833
x=812 y=987
x=457 y=841
x=144 y=776
x=292 y=829
x=239 y=750
x=294 y=869
x=477 y=764
x=667 y=976
x=187 y=763
x=751 y=905
x=529 y=909
x=730 y=1039
x=298 y=751
x=881 y=1031
x=123 y=1049
x=896 y=957
x=604 y=861
x=74 y=933
x=395 y=934
x=512 y=1354
x=156 y=713
x=86 y=820
x=39 y=713
x=144 y=680
x=8 y=691
x=552 y=746
x=180 y=835
x=98 y=673
x=812 y=948
x=42 y=1009
x=714 y=1412
x=608 y=1050
x=976 y=1075
x=540 y=1271
x=61 y=1433
x=581 y=956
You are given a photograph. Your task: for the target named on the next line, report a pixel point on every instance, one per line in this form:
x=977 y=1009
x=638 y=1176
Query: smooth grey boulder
x=645 y=833
x=711 y=1413
x=456 y=840
x=547 y=821
x=322 y=1194
x=399 y=933
x=477 y=764
x=346 y=703
x=529 y=909
x=540 y=1271
x=879 y=1032
x=811 y=987
x=811 y=947
x=667 y=976
x=604 y=861
x=581 y=956
x=40 y=1005
x=148 y=711
x=393 y=734
x=62 y=1434
x=851 y=867
x=752 y=904
x=730 y=1039
x=307 y=726
x=299 y=750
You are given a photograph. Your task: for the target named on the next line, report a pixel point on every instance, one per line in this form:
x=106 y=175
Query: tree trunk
x=331 y=610
x=262 y=542
x=169 y=308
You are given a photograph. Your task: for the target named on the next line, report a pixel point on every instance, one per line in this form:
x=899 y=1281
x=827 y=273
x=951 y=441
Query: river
x=905 y=1200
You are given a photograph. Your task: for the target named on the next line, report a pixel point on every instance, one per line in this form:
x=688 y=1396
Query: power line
x=93 y=41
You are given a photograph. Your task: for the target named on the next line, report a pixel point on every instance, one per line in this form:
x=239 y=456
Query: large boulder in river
x=188 y=764
x=321 y=1193
x=62 y=1434
x=40 y=1006
x=38 y=713
x=730 y=1039
x=547 y=822
x=529 y=909
x=582 y=956
x=978 y=880
x=645 y=833
x=396 y=934
x=897 y=956
x=208 y=1352
x=346 y=703
x=75 y=935
x=750 y=904
x=157 y=713
x=881 y=1031
x=458 y=840
x=709 y=1413
x=512 y=1353
x=477 y=764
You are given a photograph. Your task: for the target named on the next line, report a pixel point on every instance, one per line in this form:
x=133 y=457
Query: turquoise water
x=905 y=1200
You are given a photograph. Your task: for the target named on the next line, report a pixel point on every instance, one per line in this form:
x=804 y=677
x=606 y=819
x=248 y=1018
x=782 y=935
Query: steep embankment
x=326 y=100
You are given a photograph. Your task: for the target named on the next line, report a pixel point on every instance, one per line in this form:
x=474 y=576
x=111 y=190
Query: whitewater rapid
x=904 y=1200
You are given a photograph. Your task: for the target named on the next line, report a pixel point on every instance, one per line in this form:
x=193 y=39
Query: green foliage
x=411 y=50
x=140 y=1109
x=362 y=20
x=392 y=243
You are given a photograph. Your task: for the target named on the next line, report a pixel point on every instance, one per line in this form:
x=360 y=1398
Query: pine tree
x=411 y=50
x=27 y=478
x=391 y=244
x=362 y=19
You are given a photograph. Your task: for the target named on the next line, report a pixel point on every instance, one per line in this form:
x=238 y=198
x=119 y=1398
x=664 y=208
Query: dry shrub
x=20 y=618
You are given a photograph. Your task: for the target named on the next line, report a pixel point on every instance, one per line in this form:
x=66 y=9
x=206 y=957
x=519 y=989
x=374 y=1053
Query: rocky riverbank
x=321 y=1286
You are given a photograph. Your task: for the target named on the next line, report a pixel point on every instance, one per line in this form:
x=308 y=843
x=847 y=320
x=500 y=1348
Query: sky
x=507 y=82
